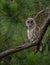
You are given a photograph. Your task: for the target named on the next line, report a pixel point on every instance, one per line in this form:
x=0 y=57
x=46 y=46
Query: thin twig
x=41 y=12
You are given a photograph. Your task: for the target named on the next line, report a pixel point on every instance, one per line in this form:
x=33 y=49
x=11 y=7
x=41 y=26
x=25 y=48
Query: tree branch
x=28 y=44
x=42 y=11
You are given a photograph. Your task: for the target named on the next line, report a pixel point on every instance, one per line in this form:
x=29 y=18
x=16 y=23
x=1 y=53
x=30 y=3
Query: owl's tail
x=38 y=48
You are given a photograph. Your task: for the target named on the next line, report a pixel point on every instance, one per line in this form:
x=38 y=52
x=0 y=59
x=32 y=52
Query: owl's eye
x=31 y=21
x=28 y=21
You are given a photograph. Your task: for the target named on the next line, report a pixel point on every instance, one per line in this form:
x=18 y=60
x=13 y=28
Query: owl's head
x=30 y=22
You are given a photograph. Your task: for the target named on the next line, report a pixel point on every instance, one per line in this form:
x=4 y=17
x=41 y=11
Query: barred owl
x=33 y=32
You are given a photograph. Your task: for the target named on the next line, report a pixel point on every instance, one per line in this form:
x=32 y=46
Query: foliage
x=13 y=14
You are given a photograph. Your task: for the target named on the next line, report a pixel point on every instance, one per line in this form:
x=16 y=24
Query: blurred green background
x=13 y=14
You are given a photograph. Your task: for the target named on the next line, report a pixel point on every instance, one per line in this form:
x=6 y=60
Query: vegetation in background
x=13 y=14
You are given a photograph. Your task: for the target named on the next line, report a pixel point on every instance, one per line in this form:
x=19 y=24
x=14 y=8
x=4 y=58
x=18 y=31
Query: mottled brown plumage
x=33 y=32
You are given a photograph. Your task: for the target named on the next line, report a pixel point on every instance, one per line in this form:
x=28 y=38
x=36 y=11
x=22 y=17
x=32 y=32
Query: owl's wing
x=37 y=31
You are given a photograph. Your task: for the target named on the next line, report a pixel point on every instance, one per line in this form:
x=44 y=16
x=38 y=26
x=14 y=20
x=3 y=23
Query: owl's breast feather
x=30 y=33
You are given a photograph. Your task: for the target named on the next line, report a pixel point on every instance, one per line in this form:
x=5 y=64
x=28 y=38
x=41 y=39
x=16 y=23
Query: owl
x=33 y=32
